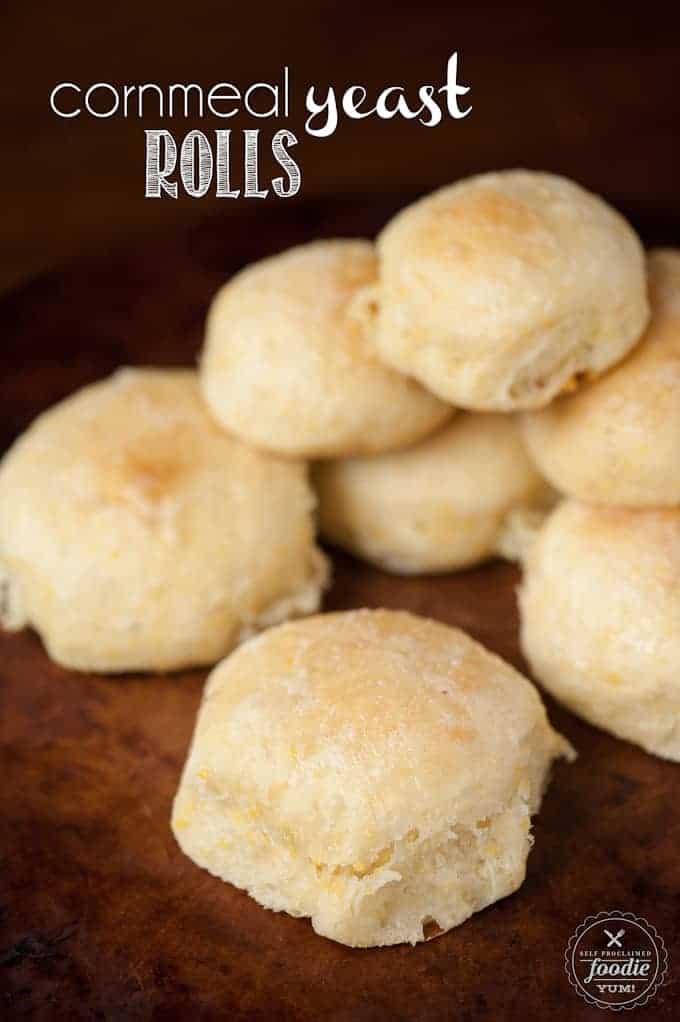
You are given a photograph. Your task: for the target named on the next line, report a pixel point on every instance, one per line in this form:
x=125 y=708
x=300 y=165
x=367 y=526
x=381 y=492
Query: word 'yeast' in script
x=230 y=162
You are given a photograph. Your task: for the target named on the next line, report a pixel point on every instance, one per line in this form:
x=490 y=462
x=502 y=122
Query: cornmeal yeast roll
x=500 y=291
x=372 y=770
x=135 y=534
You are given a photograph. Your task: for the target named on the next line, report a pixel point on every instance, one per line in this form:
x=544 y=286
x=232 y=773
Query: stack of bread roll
x=600 y=602
x=490 y=354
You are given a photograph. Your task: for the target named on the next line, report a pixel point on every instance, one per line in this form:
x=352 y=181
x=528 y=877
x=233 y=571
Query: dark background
x=591 y=92
x=101 y=916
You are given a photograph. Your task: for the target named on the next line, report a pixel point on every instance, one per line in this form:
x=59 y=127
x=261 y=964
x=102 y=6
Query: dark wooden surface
x=103 y=917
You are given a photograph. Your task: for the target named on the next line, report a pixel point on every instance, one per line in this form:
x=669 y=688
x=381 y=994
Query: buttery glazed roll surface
x=600 y=619
x=137 y=535
x=496 y=292
x=287 y=365
x=373 y=770
x=441 y=504
x=617 y=439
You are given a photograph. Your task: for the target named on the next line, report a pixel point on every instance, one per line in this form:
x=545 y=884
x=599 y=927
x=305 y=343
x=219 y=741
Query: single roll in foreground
x=600 y=619
x=373 y=770
x=137 y=535
x=442 y=504
x=617 y=439
x=287 y=364
x=499 y=291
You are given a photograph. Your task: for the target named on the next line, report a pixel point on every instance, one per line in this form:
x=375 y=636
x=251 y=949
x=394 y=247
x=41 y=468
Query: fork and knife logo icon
x=614 y=939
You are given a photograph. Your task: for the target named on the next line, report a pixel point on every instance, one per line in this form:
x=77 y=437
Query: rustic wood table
x=102 y=917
